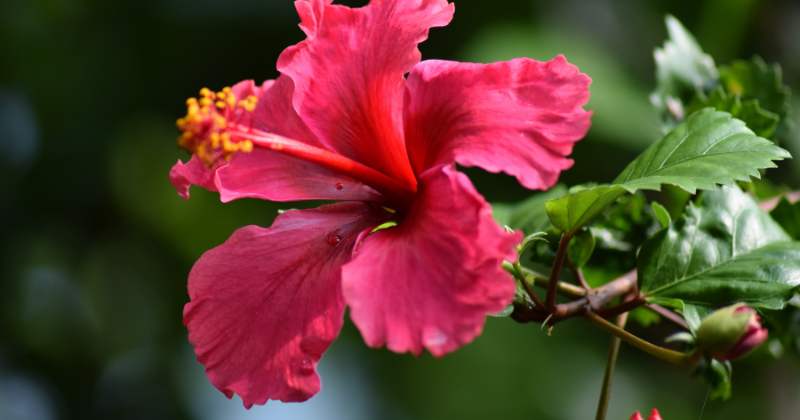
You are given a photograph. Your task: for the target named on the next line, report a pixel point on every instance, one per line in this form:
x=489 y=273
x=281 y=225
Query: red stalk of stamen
x=396 y=191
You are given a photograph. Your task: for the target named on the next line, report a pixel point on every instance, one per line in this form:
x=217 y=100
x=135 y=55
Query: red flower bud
x=731 y=332
x=654 y=415
x=754 y=335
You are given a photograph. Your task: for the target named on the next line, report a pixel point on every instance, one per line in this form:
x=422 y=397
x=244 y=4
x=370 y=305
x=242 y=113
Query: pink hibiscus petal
x=274 y=176
x=267 y=174
x=267 y=303
x=521 y=117
x=194 y=172
x=431 y=281
x=349 y=75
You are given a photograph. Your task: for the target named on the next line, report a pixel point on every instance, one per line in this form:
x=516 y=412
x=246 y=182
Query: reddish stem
x=555 y=272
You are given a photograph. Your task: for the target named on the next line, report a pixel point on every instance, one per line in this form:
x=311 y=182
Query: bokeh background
x=96 y=245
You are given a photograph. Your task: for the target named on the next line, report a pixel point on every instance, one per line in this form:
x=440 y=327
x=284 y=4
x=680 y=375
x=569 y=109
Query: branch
x=528 y=286
x=555 y=272
x=576 y=271
x=596 y=299
x=622 y=308
x=667 y=355
x=566 y=289
x=669 y=315
x=611 y=364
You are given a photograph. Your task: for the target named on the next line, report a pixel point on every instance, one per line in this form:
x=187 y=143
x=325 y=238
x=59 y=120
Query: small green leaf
x=707 y=149
x=761 y=121
x=610 y=239
x=581 y=248
x=674 y=200
x=662 y=214
x=528 y=215
x=755 y=79
x=788 y=216
x=644 y=317
x=722 y=251
x=506 y=312
x=718 y=376
x=574 y=210
x=682 y=337
x=683 y=70
x=693 y=315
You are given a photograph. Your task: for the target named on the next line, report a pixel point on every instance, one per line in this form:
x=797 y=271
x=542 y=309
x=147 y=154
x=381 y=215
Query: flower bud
x=731 y=332
x=654 y=415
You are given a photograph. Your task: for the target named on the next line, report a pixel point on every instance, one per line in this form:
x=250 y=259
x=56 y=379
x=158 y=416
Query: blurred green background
x=96 y=245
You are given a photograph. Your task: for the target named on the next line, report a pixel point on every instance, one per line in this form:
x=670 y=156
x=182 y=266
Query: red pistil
x=394 y=189
x=217 y=126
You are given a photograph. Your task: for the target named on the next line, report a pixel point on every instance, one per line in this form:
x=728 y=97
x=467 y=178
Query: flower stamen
x=205 y=128
x=218 y=125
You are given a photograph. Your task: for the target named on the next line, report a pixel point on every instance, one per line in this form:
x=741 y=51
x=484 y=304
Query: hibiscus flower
x=409 y=246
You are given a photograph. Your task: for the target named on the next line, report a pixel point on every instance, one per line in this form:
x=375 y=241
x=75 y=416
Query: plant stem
x=596 y=299
x=613 y=353
x=555 y=272
x=622 y=308
x=576 y=271
x=566 y=289
x=528 y=286
x=669 y=315
x=667 y=355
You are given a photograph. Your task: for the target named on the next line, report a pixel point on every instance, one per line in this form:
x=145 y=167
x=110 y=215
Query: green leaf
x=682 y=337
x=581 y=248
x=718 y=375
x=674 y=200
x=761 y=121
x=755 y=79
x=506 y=312
x=644 y=317
x=610 y=239
x=722 y=251
x=661 y=214
x=707 y=149
x=528 y=215
x=693 y=315
x=788 y=216
x=574 y=210
x=683 y=70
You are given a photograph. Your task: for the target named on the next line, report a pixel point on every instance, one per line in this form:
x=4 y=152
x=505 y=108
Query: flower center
x=205 y=128
x=218 y=125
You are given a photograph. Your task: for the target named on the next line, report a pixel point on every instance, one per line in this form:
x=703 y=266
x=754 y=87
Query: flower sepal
x=731 y=332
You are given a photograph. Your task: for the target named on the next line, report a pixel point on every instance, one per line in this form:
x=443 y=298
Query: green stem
x=536 y=278
x=667 y=355
x=527 y=285
x=613 y=353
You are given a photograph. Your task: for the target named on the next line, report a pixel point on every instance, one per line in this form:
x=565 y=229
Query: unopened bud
x=654 y=415
x=731 y=332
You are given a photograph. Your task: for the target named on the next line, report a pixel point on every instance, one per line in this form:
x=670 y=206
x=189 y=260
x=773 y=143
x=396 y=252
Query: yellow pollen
x=205 y=127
